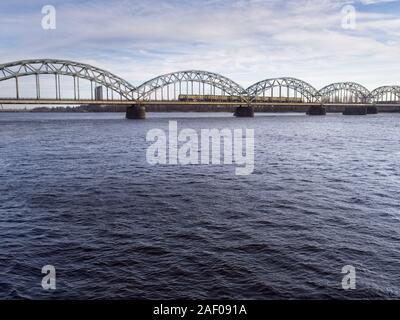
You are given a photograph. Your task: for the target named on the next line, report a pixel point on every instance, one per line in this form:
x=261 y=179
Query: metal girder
x=299 y=86
x=386 y=94
x=68 y=68
x=341 y=92
x=344 y=90
x=215 y=80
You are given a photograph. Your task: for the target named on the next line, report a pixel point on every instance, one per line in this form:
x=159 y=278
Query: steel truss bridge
x=77 y=83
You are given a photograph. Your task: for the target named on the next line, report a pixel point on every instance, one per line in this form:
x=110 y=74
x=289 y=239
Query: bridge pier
x=373 y=109
x=317 y=111
x=244 y=112
x=355 y=111
x=136 y=112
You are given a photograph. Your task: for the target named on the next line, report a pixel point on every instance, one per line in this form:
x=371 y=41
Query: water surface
x=76 y=192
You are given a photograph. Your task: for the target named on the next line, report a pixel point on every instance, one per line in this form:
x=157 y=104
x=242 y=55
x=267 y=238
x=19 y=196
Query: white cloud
x=246 y=40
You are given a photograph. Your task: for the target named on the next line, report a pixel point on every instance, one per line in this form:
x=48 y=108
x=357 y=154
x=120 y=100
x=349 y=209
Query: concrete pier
x=355 y=111
x=136 y=112
x=244 y=112
x=372 y=109
x=316 y=111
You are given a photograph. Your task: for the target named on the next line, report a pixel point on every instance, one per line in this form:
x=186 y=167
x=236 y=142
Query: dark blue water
x=76 y=192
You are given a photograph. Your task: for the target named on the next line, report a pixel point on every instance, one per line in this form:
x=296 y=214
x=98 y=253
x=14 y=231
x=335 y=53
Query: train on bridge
x=236 y=99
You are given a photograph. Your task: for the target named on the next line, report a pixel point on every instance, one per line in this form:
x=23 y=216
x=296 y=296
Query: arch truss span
x=191 y=86
x=282 y=90
x=98 y=78
x=344 y=92
x=386 y=94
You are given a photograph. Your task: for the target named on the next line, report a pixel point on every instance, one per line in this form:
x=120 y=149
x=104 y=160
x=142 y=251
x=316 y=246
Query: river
x=76 y=192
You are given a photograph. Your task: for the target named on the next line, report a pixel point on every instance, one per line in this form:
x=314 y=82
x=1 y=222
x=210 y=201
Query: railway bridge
x=63 y=82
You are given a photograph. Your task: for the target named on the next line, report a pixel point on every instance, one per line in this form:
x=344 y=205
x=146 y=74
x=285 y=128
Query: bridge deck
x=132 y=102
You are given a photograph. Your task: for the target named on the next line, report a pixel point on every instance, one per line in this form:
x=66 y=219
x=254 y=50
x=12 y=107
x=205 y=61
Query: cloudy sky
x=246 y=40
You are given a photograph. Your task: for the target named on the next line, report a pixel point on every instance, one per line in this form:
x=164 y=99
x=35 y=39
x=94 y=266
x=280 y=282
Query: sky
x=245 y=40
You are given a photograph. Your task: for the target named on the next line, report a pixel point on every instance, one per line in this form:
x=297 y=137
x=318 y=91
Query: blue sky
x=246 y=40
